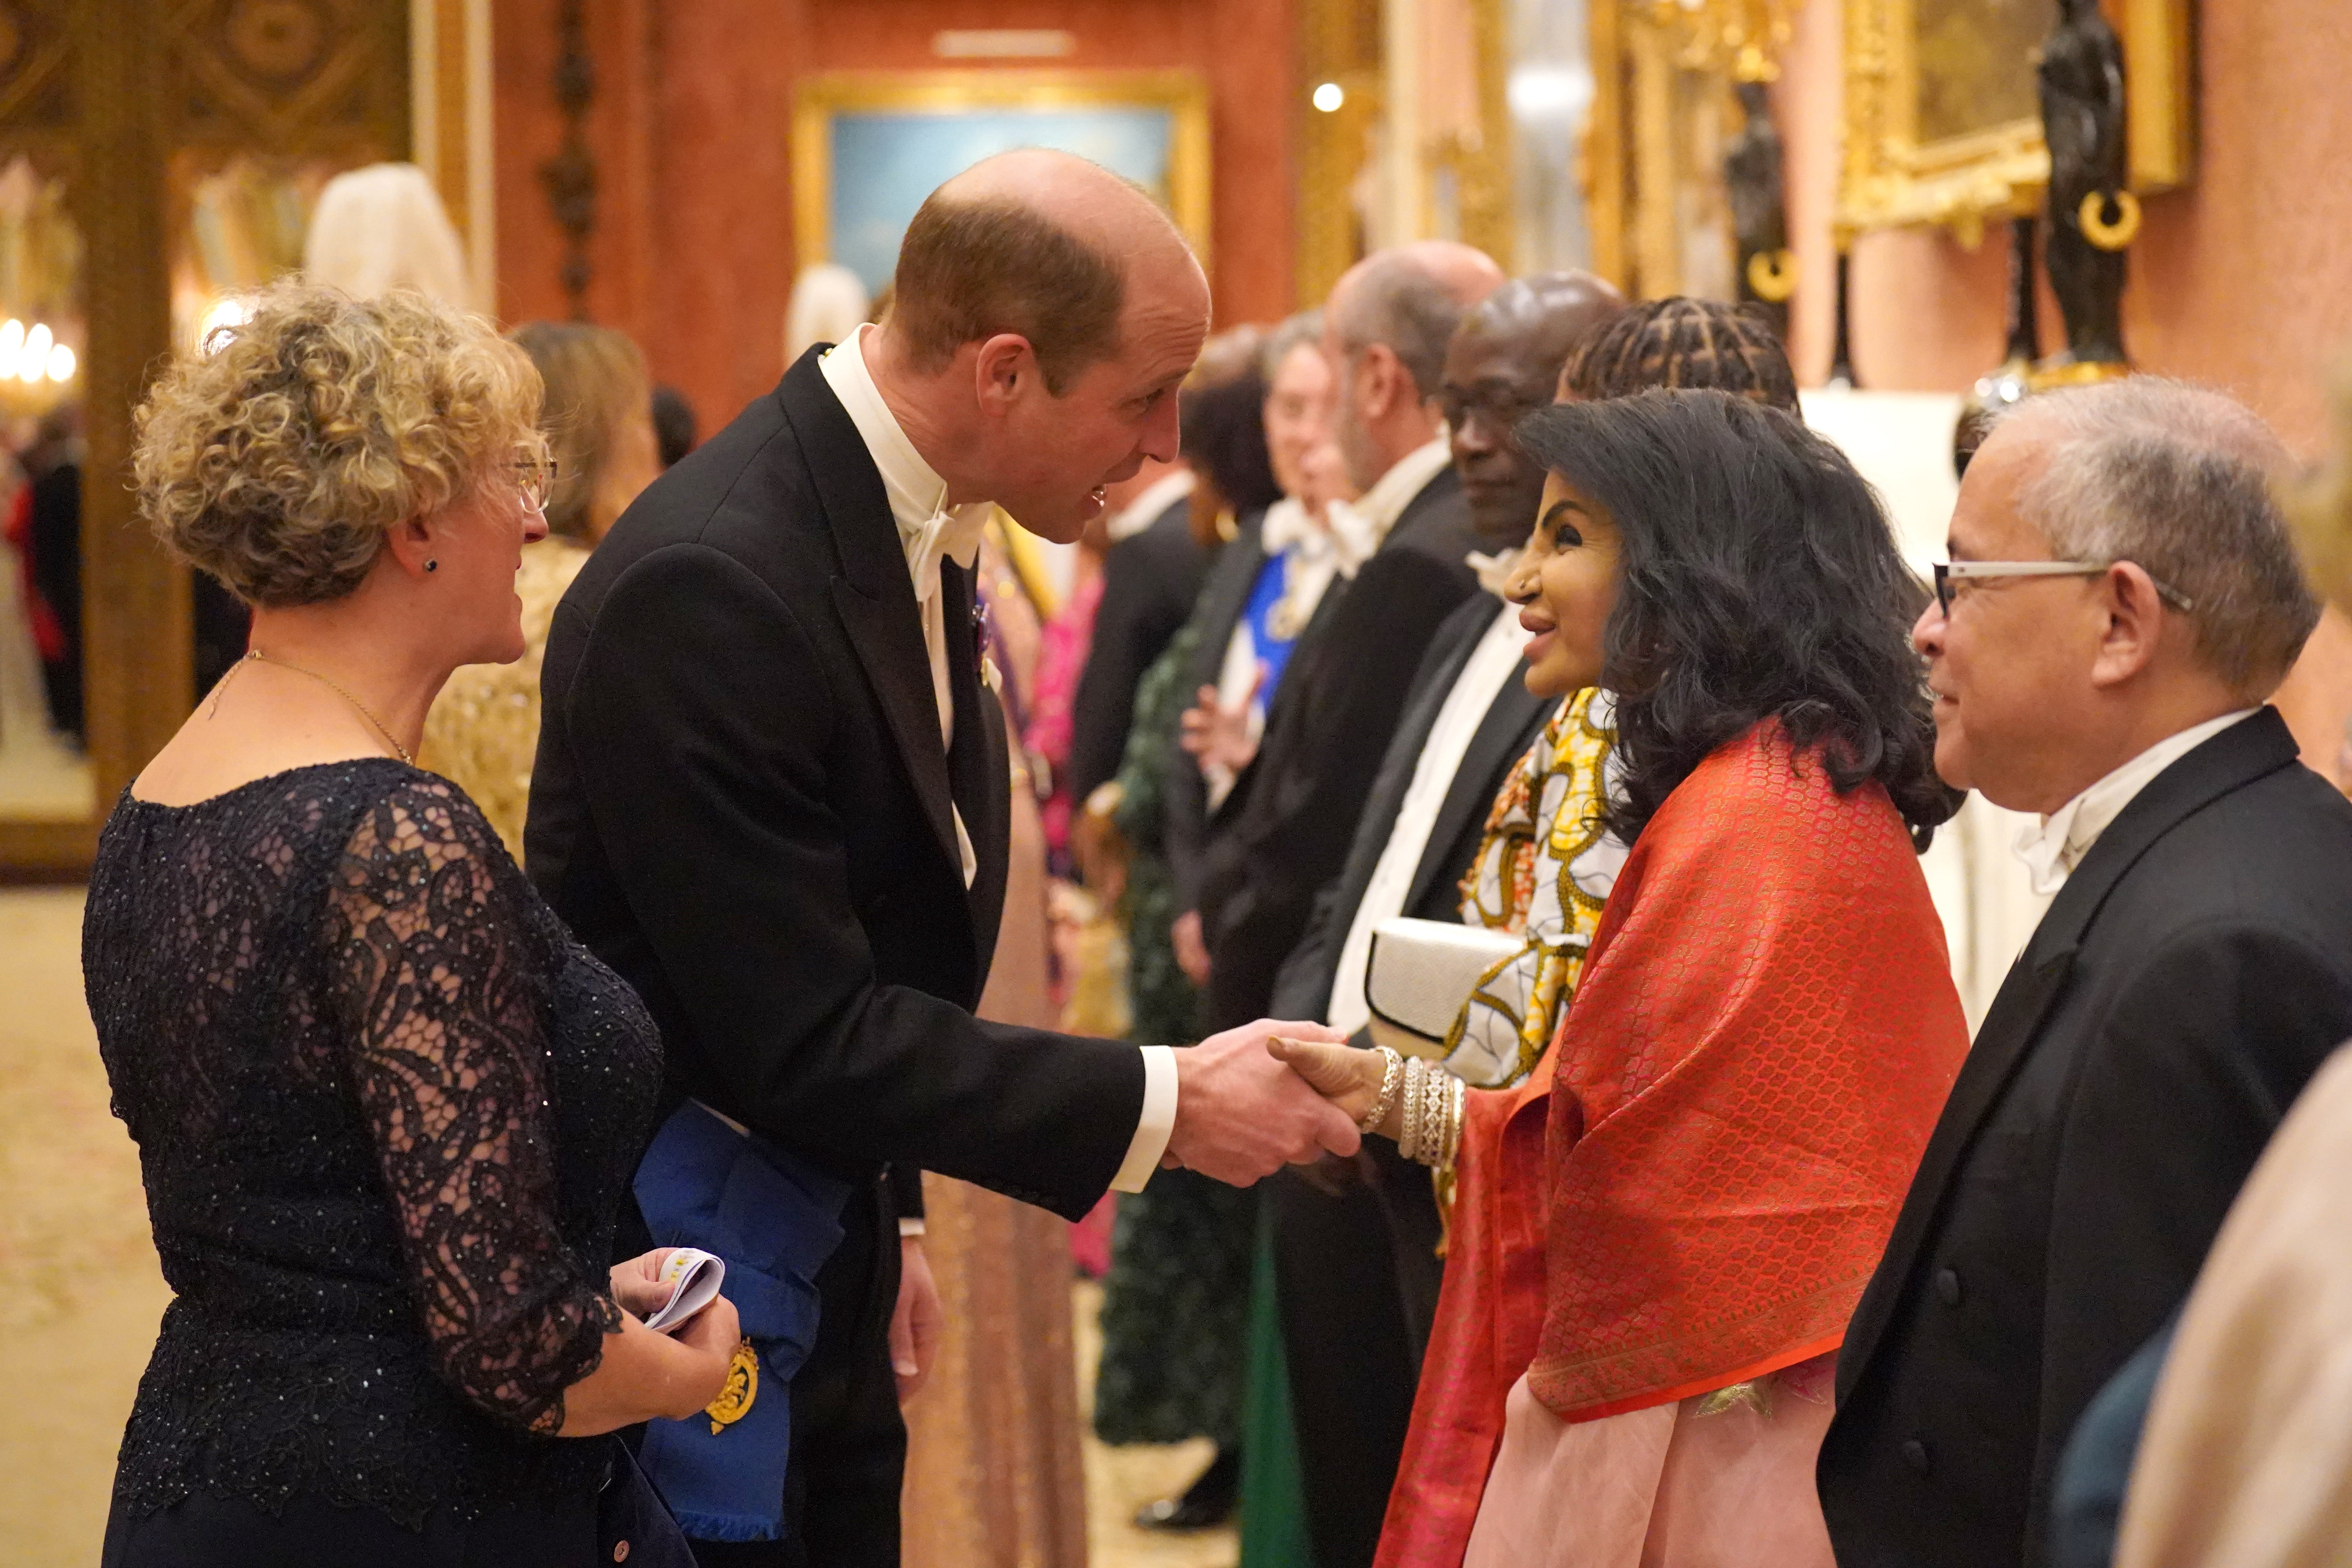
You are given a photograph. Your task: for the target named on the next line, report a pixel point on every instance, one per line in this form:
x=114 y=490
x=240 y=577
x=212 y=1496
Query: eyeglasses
x=535 y=476
x=1950 y=572
x=1500 y=407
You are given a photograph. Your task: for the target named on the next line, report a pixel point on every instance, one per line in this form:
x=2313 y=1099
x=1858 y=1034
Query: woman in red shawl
x=1658 y=1237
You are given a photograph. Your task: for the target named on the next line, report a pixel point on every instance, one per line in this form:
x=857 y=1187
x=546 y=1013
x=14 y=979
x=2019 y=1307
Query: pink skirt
x=1711 y=1482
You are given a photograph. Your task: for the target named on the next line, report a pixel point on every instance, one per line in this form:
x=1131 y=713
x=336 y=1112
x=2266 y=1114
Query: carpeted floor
x=84 y=1295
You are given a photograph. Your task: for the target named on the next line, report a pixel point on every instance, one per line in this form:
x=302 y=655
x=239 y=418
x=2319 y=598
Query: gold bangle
x=1391 y=1079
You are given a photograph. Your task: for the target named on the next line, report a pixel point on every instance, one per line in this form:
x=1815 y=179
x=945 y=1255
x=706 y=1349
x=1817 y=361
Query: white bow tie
x=950 y=533
x=1343 y=535
x=2043 y=844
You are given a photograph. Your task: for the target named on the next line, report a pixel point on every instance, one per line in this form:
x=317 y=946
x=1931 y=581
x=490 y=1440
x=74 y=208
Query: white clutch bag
x=1419 y=973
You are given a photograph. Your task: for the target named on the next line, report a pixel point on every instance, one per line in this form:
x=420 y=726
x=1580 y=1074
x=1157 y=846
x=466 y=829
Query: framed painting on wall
x=1943 y=121
x=868 y=146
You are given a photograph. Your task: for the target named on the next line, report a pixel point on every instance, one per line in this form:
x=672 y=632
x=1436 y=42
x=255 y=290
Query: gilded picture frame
x=1650 y=167
x=1912 y=161
x=912 y=116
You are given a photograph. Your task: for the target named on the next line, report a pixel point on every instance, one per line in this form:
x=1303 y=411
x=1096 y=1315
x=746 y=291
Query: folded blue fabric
x=774 y=1218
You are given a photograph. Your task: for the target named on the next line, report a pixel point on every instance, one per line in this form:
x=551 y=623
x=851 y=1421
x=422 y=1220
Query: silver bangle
x=1390 y=1080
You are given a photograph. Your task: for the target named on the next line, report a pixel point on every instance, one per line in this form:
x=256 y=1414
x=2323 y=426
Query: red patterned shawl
x=1765 y=1034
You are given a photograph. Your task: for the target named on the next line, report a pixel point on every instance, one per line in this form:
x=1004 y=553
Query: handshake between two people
x=1252 y=1099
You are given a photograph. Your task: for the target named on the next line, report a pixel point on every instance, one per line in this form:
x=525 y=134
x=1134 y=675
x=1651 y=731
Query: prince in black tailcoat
x=772 y=792
x=743 y=804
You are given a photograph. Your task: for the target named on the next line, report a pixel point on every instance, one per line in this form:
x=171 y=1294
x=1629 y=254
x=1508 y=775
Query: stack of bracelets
x=1434 y=1098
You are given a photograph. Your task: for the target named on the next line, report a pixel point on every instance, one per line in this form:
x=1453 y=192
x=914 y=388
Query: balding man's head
x=1385 y=330
x=1037 y=243
x=1501 y=365
x=1046 y=311
x=1409 y=298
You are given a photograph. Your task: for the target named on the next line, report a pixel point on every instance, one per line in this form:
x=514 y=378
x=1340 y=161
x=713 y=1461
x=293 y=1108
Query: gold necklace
x=255 y=654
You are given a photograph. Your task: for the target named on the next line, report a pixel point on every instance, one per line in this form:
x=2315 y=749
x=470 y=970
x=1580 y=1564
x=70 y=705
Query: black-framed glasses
x=1950 y=572
x=1501 y=407
x=535 y=476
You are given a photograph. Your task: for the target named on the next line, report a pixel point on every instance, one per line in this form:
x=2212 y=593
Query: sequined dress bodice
x=386 y=1110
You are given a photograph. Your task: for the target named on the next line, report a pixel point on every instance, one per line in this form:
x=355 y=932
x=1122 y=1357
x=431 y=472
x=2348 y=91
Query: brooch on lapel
x=980 y=629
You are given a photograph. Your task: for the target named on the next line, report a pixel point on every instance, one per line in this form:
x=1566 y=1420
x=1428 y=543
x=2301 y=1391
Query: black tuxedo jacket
x=1512 y=722
x=1149 y=581
x=742 y=804
x=1284 y=832
x=2189 y=978
x=1184 y=799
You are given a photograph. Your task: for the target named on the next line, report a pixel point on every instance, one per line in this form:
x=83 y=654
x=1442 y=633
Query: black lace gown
x=386 y=1112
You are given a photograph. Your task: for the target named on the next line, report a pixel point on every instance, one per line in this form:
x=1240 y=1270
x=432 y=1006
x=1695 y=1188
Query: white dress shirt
x=931 y=531
x=1494 y=660
x=2053 y=847
x=1380 y=506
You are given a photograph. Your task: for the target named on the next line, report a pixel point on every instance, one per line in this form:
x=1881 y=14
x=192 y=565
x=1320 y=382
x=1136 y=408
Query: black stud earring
x=433 y=566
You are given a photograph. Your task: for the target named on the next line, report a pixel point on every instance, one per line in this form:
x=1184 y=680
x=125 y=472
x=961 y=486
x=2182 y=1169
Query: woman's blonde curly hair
x=278 y=455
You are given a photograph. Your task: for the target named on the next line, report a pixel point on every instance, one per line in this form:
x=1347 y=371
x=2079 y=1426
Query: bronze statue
x=2092 y=216
x=1752 y=177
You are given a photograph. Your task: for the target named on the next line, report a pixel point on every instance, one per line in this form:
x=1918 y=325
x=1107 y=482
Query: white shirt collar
x=928 y=529
x=2055 y=845
x=1393 y=491
x=1344 y=534
x=1144 y=510
x=1495 y=571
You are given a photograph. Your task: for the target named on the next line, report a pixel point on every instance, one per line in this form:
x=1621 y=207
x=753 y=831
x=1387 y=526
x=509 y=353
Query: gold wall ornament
x=126 y=102
x=1941 y=123
x=277 y=40
x=1340 y=49
x=1662 y=114
x=2048 y=375
x=2108 y=236
x=742 y=1388
x=1772 y=275
x=1738 y=38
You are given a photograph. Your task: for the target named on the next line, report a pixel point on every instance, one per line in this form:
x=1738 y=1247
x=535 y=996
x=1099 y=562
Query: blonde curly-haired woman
x=386 y=1109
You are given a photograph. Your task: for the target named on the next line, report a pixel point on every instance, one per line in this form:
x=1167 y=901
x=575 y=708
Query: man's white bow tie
x=2043 y=844
x=950 y=533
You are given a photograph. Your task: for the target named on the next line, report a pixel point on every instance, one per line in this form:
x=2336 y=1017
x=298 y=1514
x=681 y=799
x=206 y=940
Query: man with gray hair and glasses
x=2121 y=600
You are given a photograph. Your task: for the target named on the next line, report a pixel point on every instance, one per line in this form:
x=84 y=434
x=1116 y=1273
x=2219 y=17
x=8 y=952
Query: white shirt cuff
x=1154 y=1126
x=910 y=1225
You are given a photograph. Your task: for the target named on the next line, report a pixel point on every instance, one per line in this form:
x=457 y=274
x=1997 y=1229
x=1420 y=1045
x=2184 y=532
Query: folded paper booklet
x=693 y=1276
x=1420 y=973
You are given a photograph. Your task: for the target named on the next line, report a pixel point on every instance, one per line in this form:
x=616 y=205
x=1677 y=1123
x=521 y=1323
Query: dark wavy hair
x=1758 y=579
x=1223 y=434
